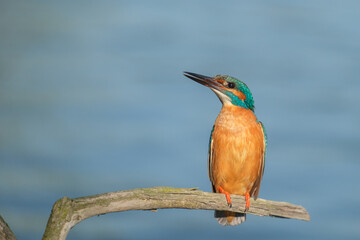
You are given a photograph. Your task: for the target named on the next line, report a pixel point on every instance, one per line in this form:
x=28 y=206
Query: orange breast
x=238 y=151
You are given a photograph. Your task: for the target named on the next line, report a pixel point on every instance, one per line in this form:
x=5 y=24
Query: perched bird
x=237 y=144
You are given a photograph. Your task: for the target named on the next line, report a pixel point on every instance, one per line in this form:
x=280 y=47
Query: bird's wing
x=256 y=187
x=210 y=157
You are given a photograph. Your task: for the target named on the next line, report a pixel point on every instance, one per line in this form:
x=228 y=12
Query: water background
x=92 y=100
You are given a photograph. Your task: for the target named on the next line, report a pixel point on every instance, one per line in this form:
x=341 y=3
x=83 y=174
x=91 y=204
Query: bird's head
x=229 y=89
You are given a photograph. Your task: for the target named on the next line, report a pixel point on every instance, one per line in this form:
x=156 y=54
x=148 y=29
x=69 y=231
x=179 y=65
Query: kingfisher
x=237 y=146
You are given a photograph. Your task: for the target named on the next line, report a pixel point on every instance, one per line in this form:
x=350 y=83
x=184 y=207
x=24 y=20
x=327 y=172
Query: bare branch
x=67 y=212
x=5 y=231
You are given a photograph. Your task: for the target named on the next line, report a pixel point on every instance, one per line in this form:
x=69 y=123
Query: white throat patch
x=223 y=97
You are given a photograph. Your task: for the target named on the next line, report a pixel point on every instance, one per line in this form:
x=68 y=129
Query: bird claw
x=227 y=195
x=247 y=199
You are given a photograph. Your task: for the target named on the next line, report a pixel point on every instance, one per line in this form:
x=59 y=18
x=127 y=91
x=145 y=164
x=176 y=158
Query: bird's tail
x=229 y=218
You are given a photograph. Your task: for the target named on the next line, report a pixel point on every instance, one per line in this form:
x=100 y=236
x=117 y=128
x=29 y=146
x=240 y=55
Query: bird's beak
x=204 y=80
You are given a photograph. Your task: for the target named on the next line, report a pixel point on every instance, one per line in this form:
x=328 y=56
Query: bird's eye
x=231 y=85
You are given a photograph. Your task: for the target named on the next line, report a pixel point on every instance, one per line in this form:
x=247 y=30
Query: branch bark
x=66 y=212
x=5 y=231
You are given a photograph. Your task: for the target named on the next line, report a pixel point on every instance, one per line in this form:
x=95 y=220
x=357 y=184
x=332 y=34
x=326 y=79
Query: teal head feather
x=231 y=84
x=228 y=89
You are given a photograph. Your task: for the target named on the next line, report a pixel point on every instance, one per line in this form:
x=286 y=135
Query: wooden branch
x=67 y=212
x=5 y=231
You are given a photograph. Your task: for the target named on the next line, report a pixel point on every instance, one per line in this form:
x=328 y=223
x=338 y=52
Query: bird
x=237 y=145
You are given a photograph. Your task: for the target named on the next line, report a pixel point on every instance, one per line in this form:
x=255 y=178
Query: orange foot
x=227 y=195
x=247 y=198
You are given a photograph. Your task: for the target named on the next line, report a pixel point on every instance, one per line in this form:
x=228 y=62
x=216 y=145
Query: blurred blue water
x=92 y=99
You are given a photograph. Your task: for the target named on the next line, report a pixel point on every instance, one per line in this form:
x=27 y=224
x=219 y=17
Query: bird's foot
x=247 y=199
x=227 y=195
